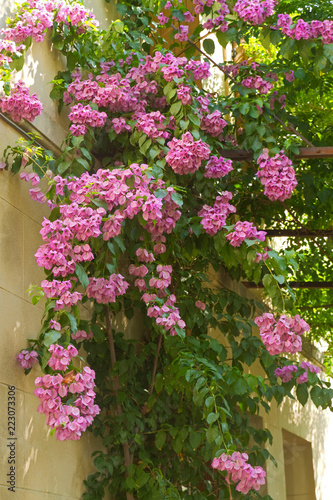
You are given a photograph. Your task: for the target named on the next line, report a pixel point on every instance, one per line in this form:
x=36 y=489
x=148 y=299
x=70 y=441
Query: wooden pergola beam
x=294 y=284
x=308 y=152
x=298 y=233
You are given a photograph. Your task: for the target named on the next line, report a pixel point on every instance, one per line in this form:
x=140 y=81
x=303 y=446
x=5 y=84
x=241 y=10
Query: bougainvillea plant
x=147 y=215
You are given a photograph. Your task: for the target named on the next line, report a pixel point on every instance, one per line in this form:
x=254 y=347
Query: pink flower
x=239 y=471
x=27 y=359
x=281 y=336
x=105 y=291
x=61 y=357
x=213 y=123
x=200 y=305
x=254 y=11
x=214 y=218
x=185 y=155
x=276 y=175
x=244 y=230
x=81 y=335
x=218 y=167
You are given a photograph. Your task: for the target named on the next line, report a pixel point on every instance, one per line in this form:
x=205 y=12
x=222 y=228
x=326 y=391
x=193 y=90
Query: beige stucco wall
x=46 y=469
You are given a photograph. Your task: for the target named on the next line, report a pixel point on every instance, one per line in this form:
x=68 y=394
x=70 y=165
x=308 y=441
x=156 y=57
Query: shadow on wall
x=304 y=427
x=298 y=465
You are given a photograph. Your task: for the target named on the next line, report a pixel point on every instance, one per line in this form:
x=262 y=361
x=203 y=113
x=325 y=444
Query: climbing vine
x=147 y=216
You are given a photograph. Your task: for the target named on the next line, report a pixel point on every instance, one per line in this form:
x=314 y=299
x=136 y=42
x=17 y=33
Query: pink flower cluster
x=276 y=175
x=151 y=124
x=254 y=11
x=257 y=83
x=262 y=256
x=126 y=193
x=185 y=155
x=213 y=123
x=166 y=315
x=55 y=288
x=214 y=218
x=286 y=373
x=240 y=471
x=184 y=94
x=105 y=291
x=164 y=277
x=144 y=256
x=81 y=335
x=134 y=91
x=244 y=230
x=58 y=253
x=119 y=125
x=306 y=31
x=40 y=16
x=282 y=335
x=27 y=359
x=61 y=357
x=9 y=47
x=69 y=419
x=307 y=367
x=182 y=34
x=199 y=5
x=83 y=117
x=20 y=104
x=217 y=167
x=218 y=20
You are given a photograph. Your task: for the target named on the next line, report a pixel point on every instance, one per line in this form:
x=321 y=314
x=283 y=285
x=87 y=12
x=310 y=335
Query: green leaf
x=99 y=334
x=175 y=108
x=17 y=64
x=302 y=393
x=194 y=119
x=328 y=52
x=72 y=321
x=209 y=46
x=63 y=166
x=244 y=108
x=195 y=439
x=265 y=37
x=177 y=198
x=320 y=64
x=82 y=275
x=280 y=278
x=209 y=401
x=212 y=417
x=118 y=26
x=120 y=242
x=288 y=48
x=121 y=8
x=160 y=193
x=211 y=434
x=222 y=38
x=51 y=338
x=159 y=382
x=160 y=439
x=240 y=386
x=46 y=356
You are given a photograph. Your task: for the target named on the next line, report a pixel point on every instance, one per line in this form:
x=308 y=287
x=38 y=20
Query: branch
x=160 y=337
x=127 y=455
